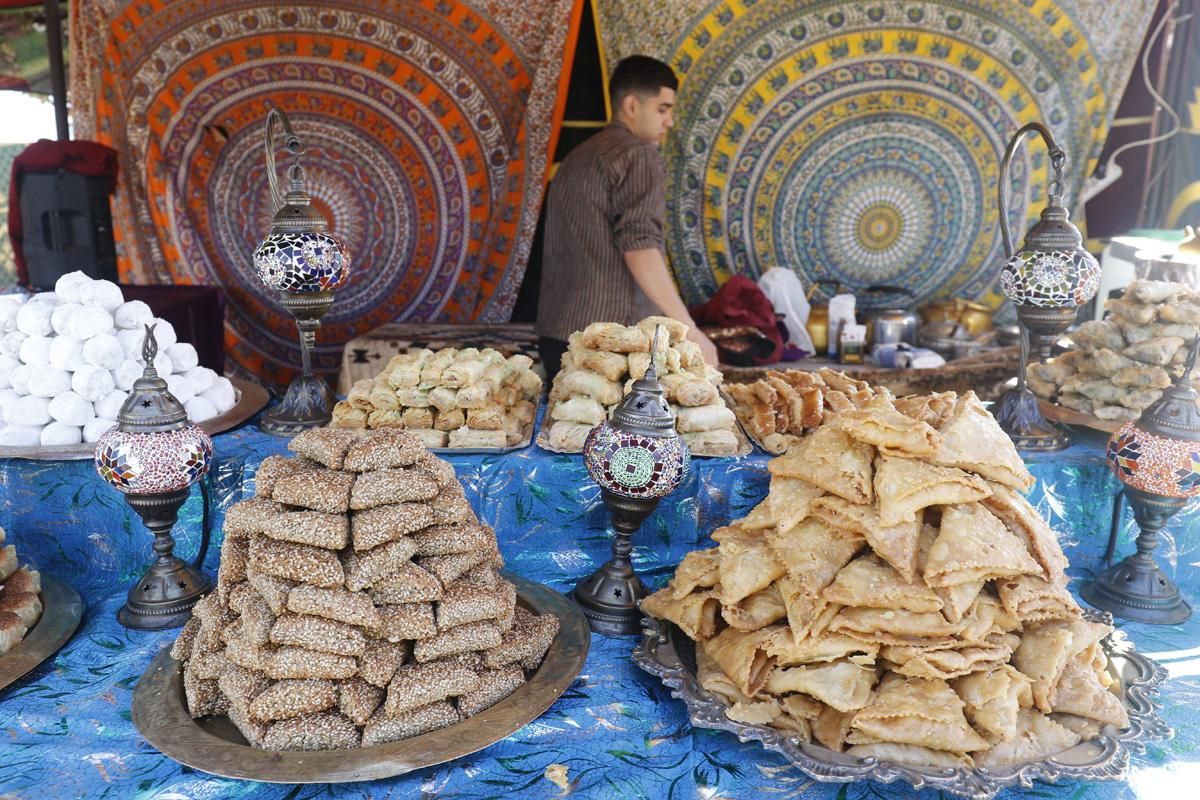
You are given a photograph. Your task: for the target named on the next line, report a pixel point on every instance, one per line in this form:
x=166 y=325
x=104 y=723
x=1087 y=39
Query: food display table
x=66 y=727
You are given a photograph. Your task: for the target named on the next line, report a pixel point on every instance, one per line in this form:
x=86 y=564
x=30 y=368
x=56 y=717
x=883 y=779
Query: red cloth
x=740 y=302
x=47 y=155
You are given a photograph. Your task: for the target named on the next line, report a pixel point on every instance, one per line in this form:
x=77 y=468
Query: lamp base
x=164 y=597
x=306 y=405
x=1137 y=589
x=1018 y=415
x=609 y=599
x=609 y=596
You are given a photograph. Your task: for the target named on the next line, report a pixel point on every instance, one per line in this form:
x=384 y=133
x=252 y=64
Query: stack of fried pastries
x=358 y=601
x=780 y=407
x=896 y=596
x=20 y=604
x=452 y=398
x=1120 y=365
x=599 y=369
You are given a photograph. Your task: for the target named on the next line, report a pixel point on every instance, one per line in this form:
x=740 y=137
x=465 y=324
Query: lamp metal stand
x=165 y=594
x=609 y=596
x=307 y=401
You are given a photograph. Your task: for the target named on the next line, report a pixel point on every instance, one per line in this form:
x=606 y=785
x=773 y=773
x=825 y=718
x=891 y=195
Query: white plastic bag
x=785 y=291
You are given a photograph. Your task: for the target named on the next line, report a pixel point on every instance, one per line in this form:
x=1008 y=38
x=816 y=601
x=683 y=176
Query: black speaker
x=67 y=226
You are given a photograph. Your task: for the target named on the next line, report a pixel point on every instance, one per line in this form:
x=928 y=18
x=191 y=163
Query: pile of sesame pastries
x=358 y=601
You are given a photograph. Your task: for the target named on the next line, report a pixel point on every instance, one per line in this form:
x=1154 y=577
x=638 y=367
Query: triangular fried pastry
x=743 y=657
x=786 y=504
x=756 y=611
x=1031 y=599
x=1042 y=656
x=895 y=544
x=829 y=458
x=712 y=678
x=957 y=599
x=905 y=486
x=911 y=755
x=1079 y=692
x=973 y=545
x=789 y=500
x=886 y=626
x=695 y=614
x=748 y=565
x=842 y=685
x=935 y=408
x=868 y=581
x=902 y=709
x=947 y=663
x=972 y=440
x=813 y=554
x=880 y=424
x=1037 y=737
x=699 y=569
x=815 y=649
x=993 y=699
x=1023 y=520
x=831 y=726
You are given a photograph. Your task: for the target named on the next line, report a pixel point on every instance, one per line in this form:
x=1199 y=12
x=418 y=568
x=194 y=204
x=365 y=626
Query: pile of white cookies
x=603 y=361
x=69 y=357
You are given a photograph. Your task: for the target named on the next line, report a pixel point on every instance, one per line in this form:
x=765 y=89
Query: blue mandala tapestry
x=861 y=141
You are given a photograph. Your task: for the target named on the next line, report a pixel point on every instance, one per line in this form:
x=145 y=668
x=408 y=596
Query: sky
x=25 y=118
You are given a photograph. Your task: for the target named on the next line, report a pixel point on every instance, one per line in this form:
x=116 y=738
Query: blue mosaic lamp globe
x=305 y=263
x=1047 y=280
x=637 y=458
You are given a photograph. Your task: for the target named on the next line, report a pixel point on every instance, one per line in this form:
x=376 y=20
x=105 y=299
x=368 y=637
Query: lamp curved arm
x=1058 y=160
x=293 y=145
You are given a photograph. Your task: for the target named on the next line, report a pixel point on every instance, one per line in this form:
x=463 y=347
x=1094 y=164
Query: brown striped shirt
x=606 y=200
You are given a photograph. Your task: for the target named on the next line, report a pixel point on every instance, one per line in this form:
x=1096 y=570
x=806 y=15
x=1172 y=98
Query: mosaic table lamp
x=305 y=265
x=153 y=455
x=1157 y=458
x=1047 y=281
x=637 y=458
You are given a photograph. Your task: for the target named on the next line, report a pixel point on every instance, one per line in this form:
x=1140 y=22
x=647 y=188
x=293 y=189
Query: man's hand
x=707 y=348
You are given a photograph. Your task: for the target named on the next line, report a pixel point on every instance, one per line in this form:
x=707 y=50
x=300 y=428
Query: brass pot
x=976 y=317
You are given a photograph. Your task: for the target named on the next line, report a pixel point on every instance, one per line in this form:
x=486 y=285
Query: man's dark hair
x=641 y=74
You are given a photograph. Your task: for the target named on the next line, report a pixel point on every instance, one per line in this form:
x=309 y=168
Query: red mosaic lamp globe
x=1047 y=280
x=637 y=458
x=302 y=261
x=1157 y=459
x=152 y=456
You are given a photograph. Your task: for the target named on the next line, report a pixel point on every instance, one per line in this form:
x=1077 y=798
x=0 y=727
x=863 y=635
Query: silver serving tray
x=666 y=652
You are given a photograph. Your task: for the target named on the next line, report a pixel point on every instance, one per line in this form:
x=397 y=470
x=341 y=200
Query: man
x=603 y=259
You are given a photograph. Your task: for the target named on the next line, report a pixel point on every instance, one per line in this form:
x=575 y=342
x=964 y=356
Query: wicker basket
x=985 y=373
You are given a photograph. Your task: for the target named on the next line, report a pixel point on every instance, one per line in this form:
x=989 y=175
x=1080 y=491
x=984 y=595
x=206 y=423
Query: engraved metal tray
x=61 y=611
x=214 y=745
x=666 y=652
x=250 y=399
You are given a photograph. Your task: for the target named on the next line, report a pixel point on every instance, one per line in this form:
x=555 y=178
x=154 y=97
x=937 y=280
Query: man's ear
x=629 y=104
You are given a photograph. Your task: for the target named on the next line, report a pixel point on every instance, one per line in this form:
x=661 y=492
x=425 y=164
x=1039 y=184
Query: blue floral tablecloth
x=65 y=729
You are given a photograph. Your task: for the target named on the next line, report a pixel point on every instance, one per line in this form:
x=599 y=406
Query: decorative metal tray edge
x=656 y=653
x=160 y=715
x=61 y=612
